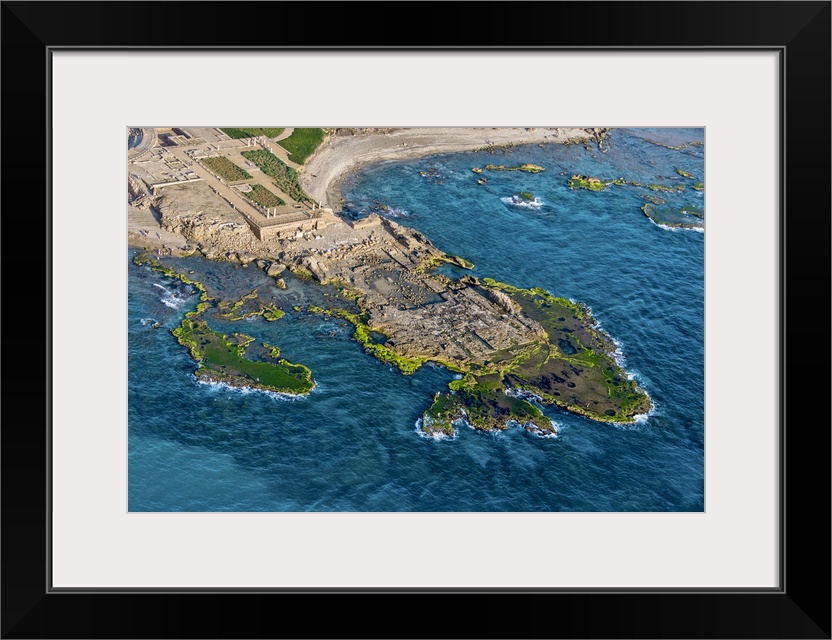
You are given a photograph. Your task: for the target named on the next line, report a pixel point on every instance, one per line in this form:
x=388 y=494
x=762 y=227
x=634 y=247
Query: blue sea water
x=353 y=444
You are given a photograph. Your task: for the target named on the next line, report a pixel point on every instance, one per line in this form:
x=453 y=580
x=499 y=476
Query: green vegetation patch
x=484 y=404
x=688 y=217
x=698 y=186
x=145 y=258
x=364 y=335
x=439 y=418
x=301 y=273
x=248 y=306
x=236 y=134
x=528 y=167
x=668 y=146
x=571 y=366
x=583 y=182
x=431 y=263
x=574 y=368
x=264 y=197
x=692 y=210
x=526 y=195
x=222 y=359
x=285 y=178
x=662 y=187
x=461 y=262
x=596 y=184
x=685 y=174
x=302 y=143
x=226 y=169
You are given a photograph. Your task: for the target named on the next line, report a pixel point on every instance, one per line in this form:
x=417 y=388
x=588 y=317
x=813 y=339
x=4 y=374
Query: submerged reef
x=233 y=360
x=687 y=217
x=512 y=348
x=528 y=167
x=665 y=216
x=572 y=366
x=578 y=181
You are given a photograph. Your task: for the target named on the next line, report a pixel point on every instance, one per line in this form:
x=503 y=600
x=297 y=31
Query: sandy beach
x=144 y=230
x=196 y=208
x=341 y=155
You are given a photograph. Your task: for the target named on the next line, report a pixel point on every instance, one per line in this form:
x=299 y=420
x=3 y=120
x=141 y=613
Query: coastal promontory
x=512 y=349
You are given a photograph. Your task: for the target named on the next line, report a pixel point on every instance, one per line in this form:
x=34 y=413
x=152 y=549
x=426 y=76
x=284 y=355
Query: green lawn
x=302 y=143
x=264 y=197
x=236 y=134
x=285 y=178
x=223 y=358
x=226 y=169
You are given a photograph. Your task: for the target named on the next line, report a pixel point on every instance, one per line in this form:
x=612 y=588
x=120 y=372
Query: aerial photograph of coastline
x=434 y=319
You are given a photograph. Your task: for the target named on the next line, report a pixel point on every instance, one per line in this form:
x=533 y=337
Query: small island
x=524 y=199
x=233 y=360
x=664 y=187
x=527 y=167
x=578 y=181
x=584 y=182
x=570 y=364
x=686 y=217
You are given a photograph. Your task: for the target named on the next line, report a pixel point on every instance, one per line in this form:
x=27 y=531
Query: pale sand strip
x=339 y=156
x=144 y=230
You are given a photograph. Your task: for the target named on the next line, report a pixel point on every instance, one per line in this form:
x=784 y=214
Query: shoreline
x=340 y=156
x=507 y=316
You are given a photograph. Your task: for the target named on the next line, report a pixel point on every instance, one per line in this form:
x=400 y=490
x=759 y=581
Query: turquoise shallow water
x=352 y=445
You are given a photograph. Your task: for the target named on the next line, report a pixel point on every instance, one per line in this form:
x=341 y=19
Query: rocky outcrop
x=275 y=269
x=503 y=301
x=491 y=332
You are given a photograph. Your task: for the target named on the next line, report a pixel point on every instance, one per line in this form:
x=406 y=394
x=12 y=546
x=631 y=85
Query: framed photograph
x=442 y=319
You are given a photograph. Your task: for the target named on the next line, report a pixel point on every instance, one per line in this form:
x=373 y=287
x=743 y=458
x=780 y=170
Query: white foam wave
x=395 y=212
x=169 y=298
x=436 y=436
x=275 y=395
x=173 y=303
x=147 y=321
x=494 y=433
x=523 y=394
x=617 y=354
x=522 y=202
x=536 y=431
x=669 y=228
x=641 y=418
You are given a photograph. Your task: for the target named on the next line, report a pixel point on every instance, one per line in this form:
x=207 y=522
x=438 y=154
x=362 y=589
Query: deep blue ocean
x=353 y=445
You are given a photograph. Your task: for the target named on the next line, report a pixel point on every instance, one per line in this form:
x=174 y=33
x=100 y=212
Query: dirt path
x=230 y=195
x=286 y=133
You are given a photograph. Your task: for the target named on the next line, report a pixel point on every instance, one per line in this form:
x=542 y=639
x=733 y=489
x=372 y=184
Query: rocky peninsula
x=510 y=347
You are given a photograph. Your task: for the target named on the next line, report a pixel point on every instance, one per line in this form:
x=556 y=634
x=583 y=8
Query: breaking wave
x=224 y=386
x=436 y=436
x=170 y=298
x=669 y=228
x=522 y=202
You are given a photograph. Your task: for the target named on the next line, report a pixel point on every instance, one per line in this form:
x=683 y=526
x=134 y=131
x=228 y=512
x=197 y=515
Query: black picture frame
x=799 y=608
